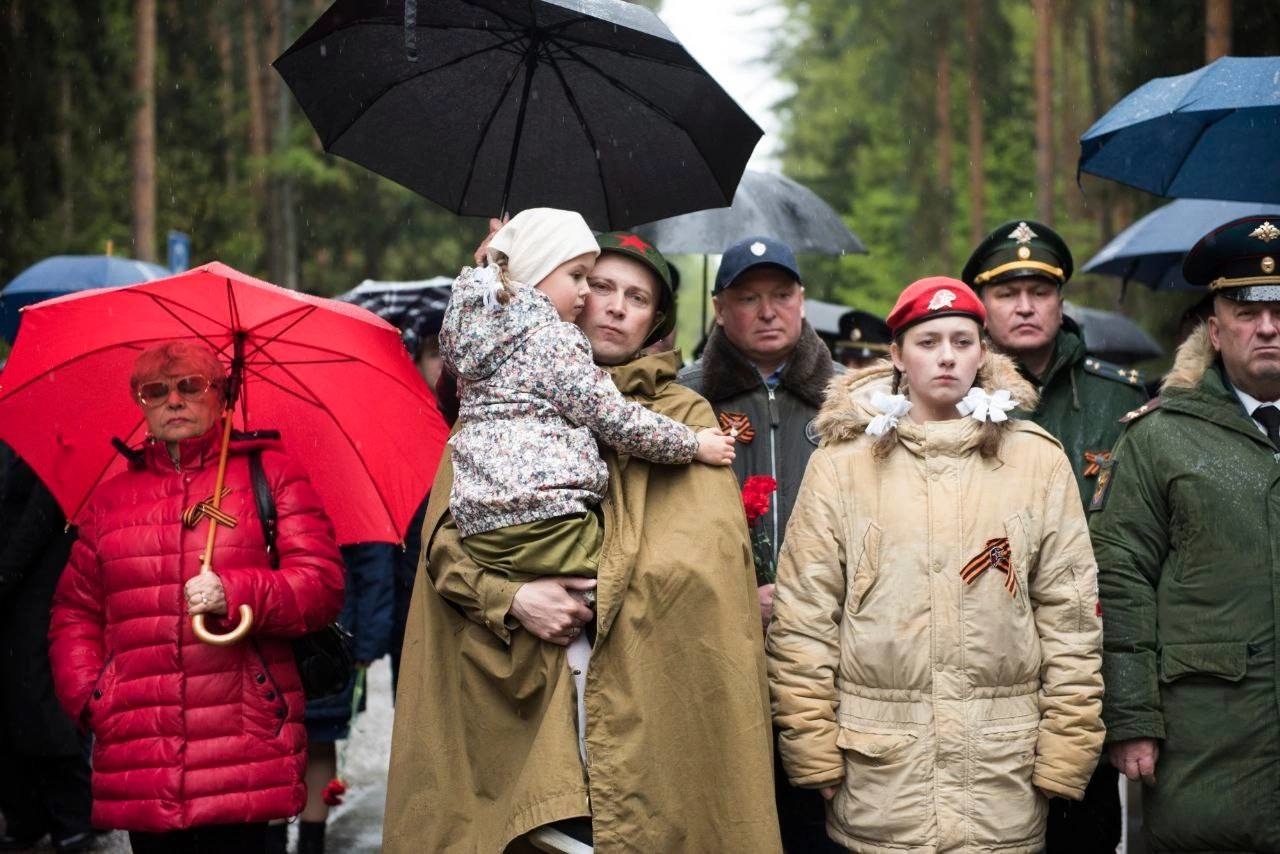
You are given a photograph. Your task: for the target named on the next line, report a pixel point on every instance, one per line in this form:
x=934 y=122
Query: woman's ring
x=204 y=600
x=573 y=631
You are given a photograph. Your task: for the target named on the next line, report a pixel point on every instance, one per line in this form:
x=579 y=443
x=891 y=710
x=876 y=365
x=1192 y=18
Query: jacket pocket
x=1004 y=807
x=265 y=709
x=1225 y=660
x=1020 y=556
x=865 y=570
x=97 y=710
x=886 y=791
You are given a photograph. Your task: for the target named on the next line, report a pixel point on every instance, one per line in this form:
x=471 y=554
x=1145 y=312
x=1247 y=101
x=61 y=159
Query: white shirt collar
x=1251 y=403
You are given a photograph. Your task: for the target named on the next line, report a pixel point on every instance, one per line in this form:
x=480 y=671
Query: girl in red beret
x=935 y=651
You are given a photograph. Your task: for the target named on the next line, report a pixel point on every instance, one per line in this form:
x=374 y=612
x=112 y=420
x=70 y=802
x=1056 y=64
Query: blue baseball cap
x=754 y=252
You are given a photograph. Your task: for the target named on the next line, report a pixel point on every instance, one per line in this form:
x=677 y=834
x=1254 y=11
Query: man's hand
x=715 y=447
x=205 y=595
x=482 y=251
x=1136 y=758
x=765 y=592
x=552 y=608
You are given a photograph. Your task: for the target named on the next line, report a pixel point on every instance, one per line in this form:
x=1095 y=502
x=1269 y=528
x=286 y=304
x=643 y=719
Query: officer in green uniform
x=1186 y=528
x=1019 y=271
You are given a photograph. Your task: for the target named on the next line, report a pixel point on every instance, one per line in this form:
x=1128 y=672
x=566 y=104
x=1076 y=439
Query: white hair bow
x=490 y=287
x=893 y=407
x=993 y=407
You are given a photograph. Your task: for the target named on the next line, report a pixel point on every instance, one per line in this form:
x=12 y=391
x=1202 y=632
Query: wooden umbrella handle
x=206 y=564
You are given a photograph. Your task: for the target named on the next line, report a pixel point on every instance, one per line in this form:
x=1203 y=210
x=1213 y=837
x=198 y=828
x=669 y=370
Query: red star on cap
x=632 y=241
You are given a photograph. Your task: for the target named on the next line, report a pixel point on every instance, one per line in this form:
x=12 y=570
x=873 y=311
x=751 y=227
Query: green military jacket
x=1082 y=400
x=1186 y=530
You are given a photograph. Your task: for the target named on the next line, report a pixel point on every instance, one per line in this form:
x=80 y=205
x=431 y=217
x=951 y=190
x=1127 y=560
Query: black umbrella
x=486 y=106
x=764 y=204
x=1112 y=336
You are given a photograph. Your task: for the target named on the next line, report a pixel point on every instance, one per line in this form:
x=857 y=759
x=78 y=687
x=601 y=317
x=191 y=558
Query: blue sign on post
x=179 y=251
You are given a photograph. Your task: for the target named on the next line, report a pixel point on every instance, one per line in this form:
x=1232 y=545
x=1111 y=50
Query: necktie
x=1269 y=417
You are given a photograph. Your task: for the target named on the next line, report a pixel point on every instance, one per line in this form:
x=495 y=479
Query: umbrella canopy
x=486 y=106
x=332 y=378
x=1112 y=336
x=64 y=274
x=1151 y=250
x=1210 y=134
x=765 y=203
x=824 y=317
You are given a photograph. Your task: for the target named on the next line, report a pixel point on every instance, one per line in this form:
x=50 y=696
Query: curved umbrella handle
x=246 y=623
x=246 y=613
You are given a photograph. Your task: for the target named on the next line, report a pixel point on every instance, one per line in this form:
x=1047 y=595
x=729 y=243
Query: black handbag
x=325 y=659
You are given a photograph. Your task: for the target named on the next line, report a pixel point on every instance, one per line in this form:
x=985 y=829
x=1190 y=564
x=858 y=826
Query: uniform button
x=937 y=567
x=97 y=695
x=259 y=678
x=271 y=695
x=938 y=665
x=280 y=712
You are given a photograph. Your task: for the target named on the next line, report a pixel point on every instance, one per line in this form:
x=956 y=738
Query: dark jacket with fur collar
x=782 y=418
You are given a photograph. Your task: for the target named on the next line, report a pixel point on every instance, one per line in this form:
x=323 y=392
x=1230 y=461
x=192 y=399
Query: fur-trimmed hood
x=848 y=409
x=1195 y=356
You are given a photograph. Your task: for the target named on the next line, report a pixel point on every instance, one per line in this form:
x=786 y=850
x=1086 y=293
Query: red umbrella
x=334 y=379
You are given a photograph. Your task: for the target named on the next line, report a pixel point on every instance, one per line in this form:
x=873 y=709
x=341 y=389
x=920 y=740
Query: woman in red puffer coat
x=196 y=747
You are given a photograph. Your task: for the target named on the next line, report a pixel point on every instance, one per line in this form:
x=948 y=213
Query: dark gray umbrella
x=1151 y=250
x=1112 y=336
x=765 y=203
x=485 y=106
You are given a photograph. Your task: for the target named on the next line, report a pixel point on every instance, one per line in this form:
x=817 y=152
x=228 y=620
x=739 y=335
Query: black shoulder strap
x=266 y=505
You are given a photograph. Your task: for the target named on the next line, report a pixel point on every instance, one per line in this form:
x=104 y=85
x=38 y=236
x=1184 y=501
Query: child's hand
x=715 y=447
x=482 y=251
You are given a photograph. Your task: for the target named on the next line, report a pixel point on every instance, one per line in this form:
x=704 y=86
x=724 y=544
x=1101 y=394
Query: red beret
x=936 y=296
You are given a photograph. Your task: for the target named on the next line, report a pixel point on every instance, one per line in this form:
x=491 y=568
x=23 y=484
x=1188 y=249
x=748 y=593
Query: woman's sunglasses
x=155 y=393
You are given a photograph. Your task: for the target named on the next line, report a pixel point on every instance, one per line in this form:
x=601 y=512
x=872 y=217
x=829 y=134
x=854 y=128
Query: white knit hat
x=538 y=240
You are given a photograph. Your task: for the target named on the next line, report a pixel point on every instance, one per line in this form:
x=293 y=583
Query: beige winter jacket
x=934 y=705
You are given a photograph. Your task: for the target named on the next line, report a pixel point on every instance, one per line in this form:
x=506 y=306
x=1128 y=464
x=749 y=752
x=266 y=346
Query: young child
x=528 y=476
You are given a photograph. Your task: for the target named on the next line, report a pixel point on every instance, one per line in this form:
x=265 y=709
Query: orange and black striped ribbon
x=1094 y=460
x=994 y=555
x=739 y=421
x=192 y=515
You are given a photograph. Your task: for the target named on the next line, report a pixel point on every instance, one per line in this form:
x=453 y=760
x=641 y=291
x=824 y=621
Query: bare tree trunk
x=1044 y=108
x=257 y=115
x=943 y=108
x=1098 y=54
x=221 y=30
x=284 y=186
x=977 y=181
x=270 y=93
x=1217 y=29
x=143 y=153
x=66 y=163
x=1069 y=112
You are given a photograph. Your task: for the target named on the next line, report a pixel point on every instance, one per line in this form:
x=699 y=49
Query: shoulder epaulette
x=1150 y=406
x=1110 y=371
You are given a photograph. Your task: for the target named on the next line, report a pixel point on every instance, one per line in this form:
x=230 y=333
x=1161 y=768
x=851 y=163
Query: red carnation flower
x=755 y=496
x=334 y=791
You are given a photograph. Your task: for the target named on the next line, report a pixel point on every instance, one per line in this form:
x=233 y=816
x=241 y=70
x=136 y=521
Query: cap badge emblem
x=942 y=299
x=1022 y=233
x=1023 y=253
x=758 y=249
x=1265 y=232
x=1268 y=264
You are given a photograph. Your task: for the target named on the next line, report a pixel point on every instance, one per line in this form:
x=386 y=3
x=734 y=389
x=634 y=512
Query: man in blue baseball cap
x=765 y=372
